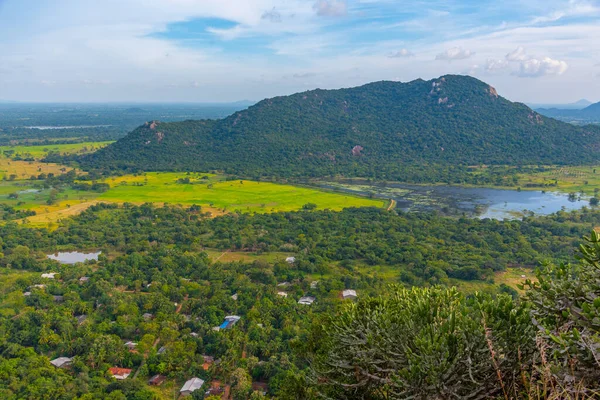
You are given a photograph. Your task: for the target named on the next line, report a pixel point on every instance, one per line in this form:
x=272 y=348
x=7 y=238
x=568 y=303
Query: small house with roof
x=61 y=362
x=157 y=380
x=191 y=386
x=306 y=300
x=349 y=294
x=119 y=373
x=49 y=275
x=229 y=322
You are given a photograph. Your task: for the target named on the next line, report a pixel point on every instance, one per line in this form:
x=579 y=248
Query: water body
x=45 y=128
x=73 y=257
x=474 y=202
x=28 y=191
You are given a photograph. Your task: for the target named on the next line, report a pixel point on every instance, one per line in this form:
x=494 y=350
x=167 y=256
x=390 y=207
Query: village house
x=234 y=296
x=130 y=345
x=349 y=294
x=229 y=322
x=282 y=294
x=290 y=260
x=84 y=279
x=260 y=387
x=157 y=380
x=306 y=300
x=208 y=361
x=147 y=316
x=119 y=373
x=61 y=362
x=215 y=389
x=81 y=319
x=191 y=386
x=49 y=275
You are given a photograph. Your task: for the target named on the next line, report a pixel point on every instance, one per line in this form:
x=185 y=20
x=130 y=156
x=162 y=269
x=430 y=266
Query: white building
x=61 y=362
x=349 y=294
x=290 y=260
x=282 y=294
x=49 y=275
x=191 y=386
x=306 y=300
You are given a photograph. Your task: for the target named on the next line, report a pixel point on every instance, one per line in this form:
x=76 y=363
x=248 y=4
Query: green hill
x=382 y=129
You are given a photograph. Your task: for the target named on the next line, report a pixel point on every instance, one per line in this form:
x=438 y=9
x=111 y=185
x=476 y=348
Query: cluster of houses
x=195 y=383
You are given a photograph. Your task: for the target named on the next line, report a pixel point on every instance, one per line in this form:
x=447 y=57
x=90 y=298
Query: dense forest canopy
x=380 y=130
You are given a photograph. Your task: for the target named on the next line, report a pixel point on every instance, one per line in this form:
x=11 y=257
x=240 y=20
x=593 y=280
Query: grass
x=39 y=151
x=212 y=192
x=230 y=256
x=22 y=170
x=25 y=169
x=226 y=196
x=582 y=179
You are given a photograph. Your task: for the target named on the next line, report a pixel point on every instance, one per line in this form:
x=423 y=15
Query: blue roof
x=224 y=324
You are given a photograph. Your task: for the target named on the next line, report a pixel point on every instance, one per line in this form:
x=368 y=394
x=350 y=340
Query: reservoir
x=473 y=202
x=73 y=257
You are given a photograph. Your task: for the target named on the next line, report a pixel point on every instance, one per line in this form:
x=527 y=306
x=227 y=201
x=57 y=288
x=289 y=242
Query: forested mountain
x=588 y=114
x=377 y=130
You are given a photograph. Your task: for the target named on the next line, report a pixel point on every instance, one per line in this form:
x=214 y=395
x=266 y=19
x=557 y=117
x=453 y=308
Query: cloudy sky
x=225 y=50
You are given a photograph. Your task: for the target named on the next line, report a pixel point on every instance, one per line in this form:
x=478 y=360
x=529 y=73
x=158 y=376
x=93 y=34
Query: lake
x=45 y=128
x=474 y=202
x=73 y=257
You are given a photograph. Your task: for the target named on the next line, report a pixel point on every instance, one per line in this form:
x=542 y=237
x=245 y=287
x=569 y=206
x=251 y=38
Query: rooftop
x=192 y=385
x=61 y=361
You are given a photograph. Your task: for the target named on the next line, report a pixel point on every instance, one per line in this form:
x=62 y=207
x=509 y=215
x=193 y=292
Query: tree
x=242 y=384
x=566 y=306
x=423 y=343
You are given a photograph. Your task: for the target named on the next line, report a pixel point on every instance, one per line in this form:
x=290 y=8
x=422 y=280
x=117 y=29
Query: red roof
x=119 y=371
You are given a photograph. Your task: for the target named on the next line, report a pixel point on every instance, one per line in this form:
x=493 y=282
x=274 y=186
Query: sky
x=537 y=51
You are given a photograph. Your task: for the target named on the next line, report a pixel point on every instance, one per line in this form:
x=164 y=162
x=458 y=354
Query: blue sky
x=226 y=50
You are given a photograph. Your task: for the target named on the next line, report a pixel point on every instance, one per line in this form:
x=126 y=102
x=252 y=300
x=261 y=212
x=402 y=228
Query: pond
x=73 y=257
x=473 y=202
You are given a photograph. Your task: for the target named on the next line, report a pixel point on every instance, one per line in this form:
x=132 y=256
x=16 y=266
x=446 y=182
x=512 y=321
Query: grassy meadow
x=212 y=192
x=39 y=151
x=224 y=196
x=581 y=179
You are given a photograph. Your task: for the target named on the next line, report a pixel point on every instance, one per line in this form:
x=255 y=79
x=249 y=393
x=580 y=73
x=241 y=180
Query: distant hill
x=578 y=105
x=381 y=129
x=589 y=114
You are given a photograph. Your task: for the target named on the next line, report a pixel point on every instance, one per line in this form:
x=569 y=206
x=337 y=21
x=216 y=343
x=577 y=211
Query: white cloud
x=493 y=64
x=455 y=53
x=517 y=54
x=401 y=53
x=539 y=67
x=331 y=8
